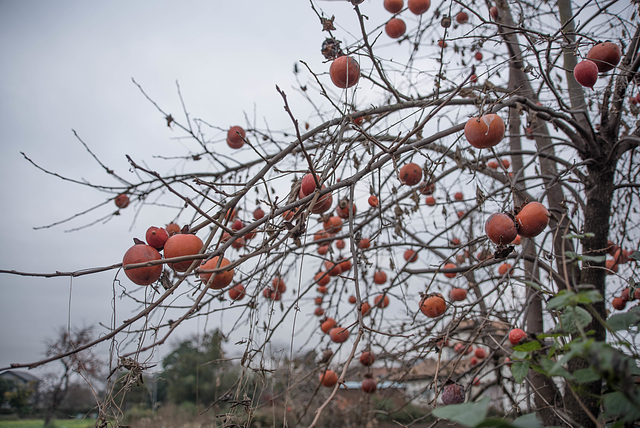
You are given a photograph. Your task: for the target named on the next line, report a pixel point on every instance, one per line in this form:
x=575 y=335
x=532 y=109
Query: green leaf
x=580 y=236
x=527 y=421
x=520 y=355
x=586 y=375
x=589 y=296
x=528 y=346
x=572 y=255
x=519 y=370
x=574 y=319
x=625 y=320
x=494 y=423
x=533 y=285
x=469 y=414
x=561 y=300
x=618 y=405
x=552 y=368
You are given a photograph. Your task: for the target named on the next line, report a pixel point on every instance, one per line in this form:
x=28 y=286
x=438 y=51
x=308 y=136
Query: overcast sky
x=68 y=65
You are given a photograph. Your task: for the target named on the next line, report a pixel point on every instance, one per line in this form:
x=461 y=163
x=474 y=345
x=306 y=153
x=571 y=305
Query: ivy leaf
x=519 y=370
x=468 y=414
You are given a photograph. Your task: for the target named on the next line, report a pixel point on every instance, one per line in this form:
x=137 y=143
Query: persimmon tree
x=472 y=112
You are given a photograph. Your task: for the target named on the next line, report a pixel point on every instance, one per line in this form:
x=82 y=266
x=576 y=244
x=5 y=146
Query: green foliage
x=195 y=371
x=475 y=415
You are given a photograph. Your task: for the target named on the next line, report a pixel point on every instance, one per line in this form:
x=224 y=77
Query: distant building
x=21 y=378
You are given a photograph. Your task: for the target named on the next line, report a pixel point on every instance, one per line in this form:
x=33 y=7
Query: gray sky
x=68 y=65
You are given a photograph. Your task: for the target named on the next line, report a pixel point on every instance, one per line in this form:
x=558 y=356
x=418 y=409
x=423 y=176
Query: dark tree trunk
x=583 y=404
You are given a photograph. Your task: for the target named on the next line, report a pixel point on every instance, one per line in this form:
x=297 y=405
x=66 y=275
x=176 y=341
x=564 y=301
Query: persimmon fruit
x=393 y=6
x=418 y=7
x=327 y=325
x=156 y=237
x=141 y=253
x=410 y=174
x=182 y=244
x=433 y=306
x=373 y=201
x=220 y=279
x=500 y=229
x=450 y=266
x=586 y=73
x=339 y=334
x=235 y=137
x=516 y=336
x=395 y=28
x=368 y=385
x=381 y=301
x=532 y=219
x=380 y=277
x=605 y=55
x=457 y=294
x=328 y=378
x=485 y=131
x=462 y=17
x=367 y=358
x=237 y=292
x=344 y=72
x=121 y=201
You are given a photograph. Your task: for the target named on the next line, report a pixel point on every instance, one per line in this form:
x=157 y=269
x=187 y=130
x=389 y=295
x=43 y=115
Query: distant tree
x=195 y=370
x=86 y=364
x=17 y=396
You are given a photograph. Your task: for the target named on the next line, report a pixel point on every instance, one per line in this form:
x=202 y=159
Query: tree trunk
x=586 y=400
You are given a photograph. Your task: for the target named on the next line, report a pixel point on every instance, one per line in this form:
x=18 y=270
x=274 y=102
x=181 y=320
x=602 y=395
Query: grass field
x=39 y=423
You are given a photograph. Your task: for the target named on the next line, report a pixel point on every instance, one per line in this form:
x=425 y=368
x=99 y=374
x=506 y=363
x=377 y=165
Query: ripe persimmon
x=478 y=56
x=393 y=6
x=322 y=278
x=450 y=266
x=333 y=225
x=369 y=385
x=410 y=174
x=373 y=201
x=532 y=219
x=395 y=28
x=318 y=312
x=462 y=17
x=500 y=229
x=484 y=132
x=381 y=301
x=339 y=334
x=605 y=55
x=141 y=253
x=156 y=237
x=327 y=325
x=457 y=294
x=340 y=244
x=235 y=137
x=352 y=299
x=328 y=378
x=427 y=188
x=504 y=268
x=308 y=184
x=172 y=229
x=364 y=243
x=586 y=73
x=365 y=308
x=220 y=279
x=237 y=292
x=380 y=277
x=433 y=306
x=278 y=284
x=121 y=201
x=179 y=245
x=418 y=7
x=410 y=256
x=344 y=72
x=431 y=201
x=516 y=336
x=258 y=213
x=367 y=358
